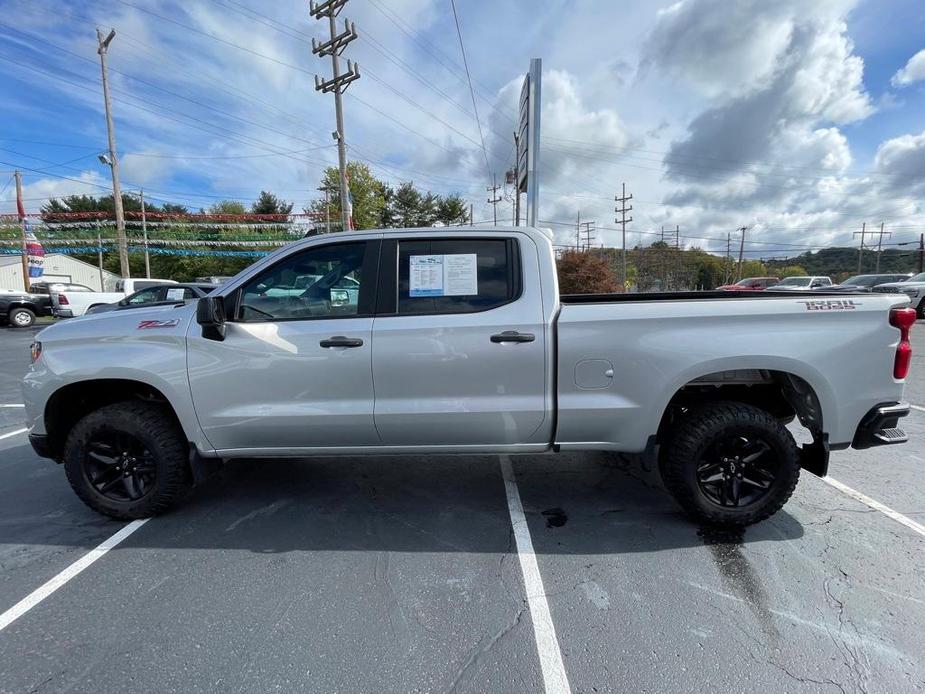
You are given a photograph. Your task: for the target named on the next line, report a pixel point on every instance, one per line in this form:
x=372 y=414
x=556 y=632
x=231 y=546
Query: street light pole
x=113 y=160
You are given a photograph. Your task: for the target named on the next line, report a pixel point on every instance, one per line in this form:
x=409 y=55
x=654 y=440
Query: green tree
x=452 y=210
x=790 y=271
x=227 y=207
x=366 y=191
x=268 y=203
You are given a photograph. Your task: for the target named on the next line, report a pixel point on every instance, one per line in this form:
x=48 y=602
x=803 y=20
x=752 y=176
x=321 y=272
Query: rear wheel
x=730 y=464
x=128 y=460
x=21 y=318
x=920 y=309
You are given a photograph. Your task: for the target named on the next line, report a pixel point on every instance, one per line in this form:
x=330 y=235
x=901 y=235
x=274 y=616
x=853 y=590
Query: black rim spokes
x=737 y=470
x=119 y=466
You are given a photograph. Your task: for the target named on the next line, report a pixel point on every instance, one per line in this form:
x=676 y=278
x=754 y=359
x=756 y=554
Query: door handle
x=341 y=341
x=513 y=336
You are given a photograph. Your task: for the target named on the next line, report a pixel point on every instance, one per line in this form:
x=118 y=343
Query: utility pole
x=623 y=221
x=741 y=252
x=516 y=180
x=338 y=84
x=727 y=258
x=21 y=213
x=113 y=162
x=921 y=252
x=578 y=232
x=677 y=250
x=879 y=244
x=99 y=255
x=144 y=233
x=495 y=198
x=862 y=232
x=471 y=215
x=588 y=233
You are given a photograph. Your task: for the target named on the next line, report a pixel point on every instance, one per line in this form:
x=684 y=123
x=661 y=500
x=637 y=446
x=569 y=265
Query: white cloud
x=914 y=71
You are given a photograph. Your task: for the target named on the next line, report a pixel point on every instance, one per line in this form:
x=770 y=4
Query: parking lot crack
x=470 y=667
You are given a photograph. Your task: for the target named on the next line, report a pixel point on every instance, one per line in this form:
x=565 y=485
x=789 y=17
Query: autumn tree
x=586 y=273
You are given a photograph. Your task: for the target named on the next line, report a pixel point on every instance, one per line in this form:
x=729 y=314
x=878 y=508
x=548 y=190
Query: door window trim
x=387 y=291
x=370 y=267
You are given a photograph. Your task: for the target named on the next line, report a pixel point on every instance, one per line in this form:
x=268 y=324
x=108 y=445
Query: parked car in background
x=19 y=309
x=67 y=304
x=159 y=294
x=751 y=284
x=802 y=284
x=865 y=283
x=914 y=288
x=50 y=287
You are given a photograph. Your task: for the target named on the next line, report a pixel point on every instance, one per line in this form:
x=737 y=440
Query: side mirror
x=210 y=314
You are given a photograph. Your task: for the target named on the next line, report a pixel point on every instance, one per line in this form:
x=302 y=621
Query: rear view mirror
x=210 y=314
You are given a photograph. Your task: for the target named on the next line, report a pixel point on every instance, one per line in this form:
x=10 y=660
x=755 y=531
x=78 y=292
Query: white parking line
x=876 y=505
x=14 y=433
x=547 y=645
x=13 y=405
x=43 y=591
x=917 y=407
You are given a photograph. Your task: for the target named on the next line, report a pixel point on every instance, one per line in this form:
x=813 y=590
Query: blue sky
x=715 y=113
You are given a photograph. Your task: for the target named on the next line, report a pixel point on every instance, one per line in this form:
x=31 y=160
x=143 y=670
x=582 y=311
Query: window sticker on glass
x=443 y=275
x=175 y=294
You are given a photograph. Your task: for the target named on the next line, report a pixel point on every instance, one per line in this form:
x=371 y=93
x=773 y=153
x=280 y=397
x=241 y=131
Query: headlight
x=911 y=292
x=36 y=351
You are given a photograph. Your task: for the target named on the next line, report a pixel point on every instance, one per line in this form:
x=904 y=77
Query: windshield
x=865 y=280
x=795 y=282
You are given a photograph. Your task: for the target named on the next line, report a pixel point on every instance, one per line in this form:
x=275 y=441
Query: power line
x=475 y=107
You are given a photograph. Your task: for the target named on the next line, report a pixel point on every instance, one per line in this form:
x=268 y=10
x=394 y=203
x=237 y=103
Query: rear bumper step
x=879 y=426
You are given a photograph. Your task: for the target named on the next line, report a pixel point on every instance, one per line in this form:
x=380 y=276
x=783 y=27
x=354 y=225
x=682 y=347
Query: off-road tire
x=697 y=431
x=21 y=318
x=154 y=426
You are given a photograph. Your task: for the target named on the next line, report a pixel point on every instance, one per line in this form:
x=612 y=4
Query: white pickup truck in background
x=471 y=350
x=70 y=304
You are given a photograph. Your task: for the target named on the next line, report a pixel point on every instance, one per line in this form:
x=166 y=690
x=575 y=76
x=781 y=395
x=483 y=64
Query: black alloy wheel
x=737 y=470
x=119 y=466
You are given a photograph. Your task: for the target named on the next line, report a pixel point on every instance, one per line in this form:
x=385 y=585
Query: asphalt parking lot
x=407 y=575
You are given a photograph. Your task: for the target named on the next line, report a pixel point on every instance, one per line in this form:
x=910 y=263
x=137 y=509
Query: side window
x=322 y=282
x=145 y=296
x=456 y=275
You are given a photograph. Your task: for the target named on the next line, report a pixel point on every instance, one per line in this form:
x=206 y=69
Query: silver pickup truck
x=459 y=342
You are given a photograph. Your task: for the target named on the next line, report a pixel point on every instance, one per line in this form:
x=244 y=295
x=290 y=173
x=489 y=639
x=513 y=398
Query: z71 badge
x=830 y=304
x=149 y=324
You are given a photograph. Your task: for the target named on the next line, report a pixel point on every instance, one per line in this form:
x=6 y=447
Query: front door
x=295 y=368
x=461 y=360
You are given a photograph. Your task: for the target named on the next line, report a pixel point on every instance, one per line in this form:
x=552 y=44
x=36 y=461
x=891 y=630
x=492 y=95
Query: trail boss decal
x=149 y=324
x=830 y=304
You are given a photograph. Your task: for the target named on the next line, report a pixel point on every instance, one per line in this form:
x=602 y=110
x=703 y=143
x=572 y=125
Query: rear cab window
x=456 y=275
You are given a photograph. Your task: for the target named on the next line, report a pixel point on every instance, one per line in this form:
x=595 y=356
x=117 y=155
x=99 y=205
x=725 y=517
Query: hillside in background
x=841 y=262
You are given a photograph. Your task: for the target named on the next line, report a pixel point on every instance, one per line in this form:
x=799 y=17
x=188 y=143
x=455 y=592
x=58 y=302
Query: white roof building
x=57 y=268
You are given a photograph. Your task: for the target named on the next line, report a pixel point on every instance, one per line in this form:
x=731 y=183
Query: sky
x=800 y=120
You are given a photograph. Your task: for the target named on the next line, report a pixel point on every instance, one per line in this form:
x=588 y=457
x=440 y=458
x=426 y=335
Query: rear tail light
x=62 y=300
x=904 y=319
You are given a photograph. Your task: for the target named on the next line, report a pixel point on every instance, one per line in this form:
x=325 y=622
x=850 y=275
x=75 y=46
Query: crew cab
x=67 y=304
x=460 y=343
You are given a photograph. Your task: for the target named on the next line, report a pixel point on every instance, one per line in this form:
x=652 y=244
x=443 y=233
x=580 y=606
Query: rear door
x=459 y=344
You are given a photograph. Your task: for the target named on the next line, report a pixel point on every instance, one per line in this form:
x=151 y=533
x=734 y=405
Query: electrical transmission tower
x=880 y=243
x=862 y=232
x=494 y=199
x=623 y=221
x=586 y=238
x=333 y=47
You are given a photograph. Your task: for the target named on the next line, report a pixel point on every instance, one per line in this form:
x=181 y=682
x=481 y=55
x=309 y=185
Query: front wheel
x=21 y=318
x=128 y=460
x=729 y=463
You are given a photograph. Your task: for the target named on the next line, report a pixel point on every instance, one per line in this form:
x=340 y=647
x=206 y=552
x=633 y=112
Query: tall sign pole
x=113 y=159
x=528 y=139
x=333 y=47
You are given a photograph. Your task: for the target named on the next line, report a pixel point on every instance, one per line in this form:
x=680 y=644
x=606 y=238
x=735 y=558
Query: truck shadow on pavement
x=575 y=504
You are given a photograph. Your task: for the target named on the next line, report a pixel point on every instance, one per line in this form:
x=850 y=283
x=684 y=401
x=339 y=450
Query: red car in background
x=751 y=284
